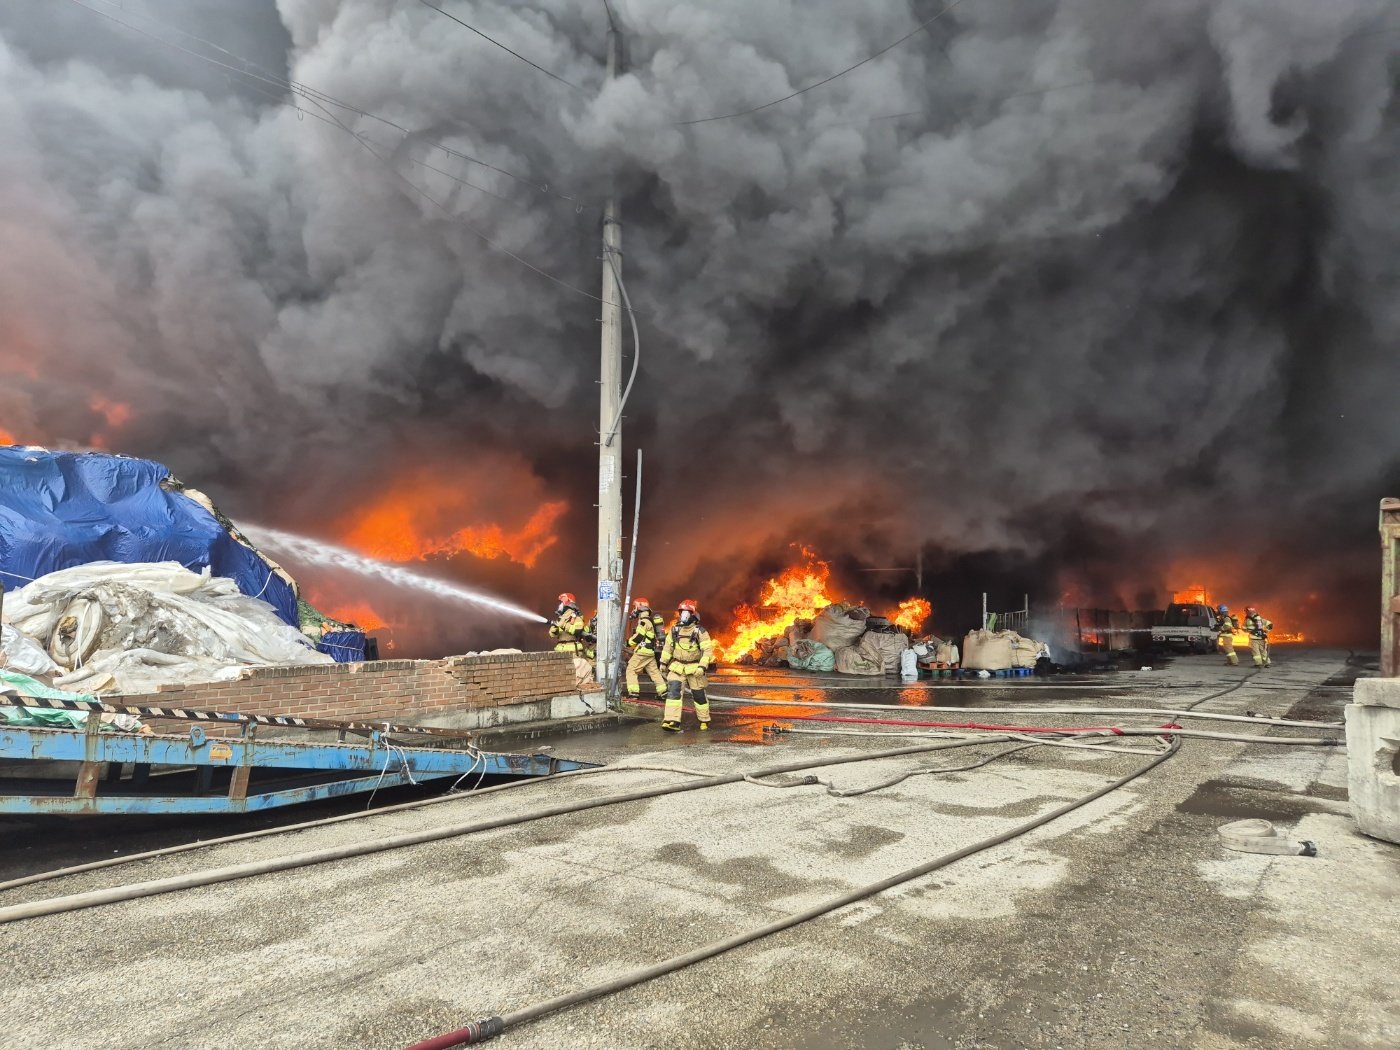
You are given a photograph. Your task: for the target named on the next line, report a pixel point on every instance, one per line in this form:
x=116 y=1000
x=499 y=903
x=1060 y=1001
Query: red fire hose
x=926 y=725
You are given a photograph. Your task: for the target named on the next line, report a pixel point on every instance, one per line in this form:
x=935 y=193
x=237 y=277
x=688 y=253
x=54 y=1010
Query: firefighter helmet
x=638 y=604
x=1223 y=610
x=1251 y=610
x=688 y=605
x=568 y=599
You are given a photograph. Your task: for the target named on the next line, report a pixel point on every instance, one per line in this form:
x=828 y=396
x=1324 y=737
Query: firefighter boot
x=702 y=708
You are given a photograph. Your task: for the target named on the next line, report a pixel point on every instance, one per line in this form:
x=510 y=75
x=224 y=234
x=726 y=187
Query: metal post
x=984 y=610
x=919 y=572
x=610 y=431
x=613 y=692
x=1390 y=586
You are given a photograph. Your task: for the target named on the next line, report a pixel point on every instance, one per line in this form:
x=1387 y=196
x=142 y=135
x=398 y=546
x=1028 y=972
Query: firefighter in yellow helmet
x=1258 y=629
x=568 y=626
x=1225 y=640
x=645 y=650
x=688 y=651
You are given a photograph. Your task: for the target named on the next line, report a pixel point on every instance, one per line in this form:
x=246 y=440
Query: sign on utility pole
x=610 y=430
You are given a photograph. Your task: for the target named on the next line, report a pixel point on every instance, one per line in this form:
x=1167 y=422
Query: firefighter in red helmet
x=645 y=650
x=1258 y=629
x=688 y=651
x=568 y=626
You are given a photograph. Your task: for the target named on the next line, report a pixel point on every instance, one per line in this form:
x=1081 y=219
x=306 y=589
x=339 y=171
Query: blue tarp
x=60 y=509
x=343 y=646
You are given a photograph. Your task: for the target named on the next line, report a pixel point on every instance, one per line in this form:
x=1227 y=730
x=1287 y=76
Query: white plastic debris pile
x=108 y=627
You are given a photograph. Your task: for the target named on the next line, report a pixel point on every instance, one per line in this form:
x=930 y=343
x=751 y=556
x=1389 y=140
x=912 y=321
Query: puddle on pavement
x=1239 y=802
x=923 y=1025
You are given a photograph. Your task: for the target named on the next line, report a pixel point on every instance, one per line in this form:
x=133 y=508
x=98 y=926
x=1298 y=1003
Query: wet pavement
x=1124 y=924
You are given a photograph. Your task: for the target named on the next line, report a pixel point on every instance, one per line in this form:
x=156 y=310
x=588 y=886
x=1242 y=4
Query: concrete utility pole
x=610 y=428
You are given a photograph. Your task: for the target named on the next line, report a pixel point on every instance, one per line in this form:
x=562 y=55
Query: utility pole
x=610 y=426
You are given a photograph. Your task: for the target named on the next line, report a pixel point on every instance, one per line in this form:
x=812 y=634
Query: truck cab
x=1189 y=626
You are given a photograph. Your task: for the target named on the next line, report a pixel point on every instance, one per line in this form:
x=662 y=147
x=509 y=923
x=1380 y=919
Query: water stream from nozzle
x=316 y=552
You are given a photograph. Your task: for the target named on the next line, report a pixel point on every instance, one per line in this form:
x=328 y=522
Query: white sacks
x=839 y=625
x=1000 y=650
x=908 y=665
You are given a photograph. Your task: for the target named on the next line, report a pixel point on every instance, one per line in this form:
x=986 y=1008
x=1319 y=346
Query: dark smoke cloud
x=1118 y=292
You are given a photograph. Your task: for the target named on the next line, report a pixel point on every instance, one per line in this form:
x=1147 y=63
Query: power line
x=827 y=80
x=517 y=54
x=483 y=237
x=367 y=145
x=1004 y=98
x=301 y=112
x=252 y=71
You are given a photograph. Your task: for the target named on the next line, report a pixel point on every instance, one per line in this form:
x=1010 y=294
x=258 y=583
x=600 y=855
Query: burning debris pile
x=798 y=622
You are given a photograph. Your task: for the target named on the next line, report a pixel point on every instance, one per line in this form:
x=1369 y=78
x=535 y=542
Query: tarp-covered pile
x=60 y=510
x=109 y=627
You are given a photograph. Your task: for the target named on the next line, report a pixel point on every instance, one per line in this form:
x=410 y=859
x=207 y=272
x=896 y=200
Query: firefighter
x=590 y=639
x=644 y=646
x=568 y=627
x=688 y=651
x=1258 y=629
x=1225 y=640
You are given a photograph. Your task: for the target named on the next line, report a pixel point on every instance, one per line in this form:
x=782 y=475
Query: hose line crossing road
x=479 y=1031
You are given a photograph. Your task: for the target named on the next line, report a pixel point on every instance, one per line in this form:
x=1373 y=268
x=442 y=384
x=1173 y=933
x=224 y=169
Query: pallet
x=947 y=671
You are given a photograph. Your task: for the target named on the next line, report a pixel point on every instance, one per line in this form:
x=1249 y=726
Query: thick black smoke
x=1086 y=288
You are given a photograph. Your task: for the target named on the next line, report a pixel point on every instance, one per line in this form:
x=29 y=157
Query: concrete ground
x=1123 y=924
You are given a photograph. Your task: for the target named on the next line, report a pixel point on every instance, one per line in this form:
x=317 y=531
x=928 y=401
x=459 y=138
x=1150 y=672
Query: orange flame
x=1196 y=594
x=360 y=615
x=6 y=438
x=797 y=593
x=115 y=413
x=401 y=527
x=911 y=614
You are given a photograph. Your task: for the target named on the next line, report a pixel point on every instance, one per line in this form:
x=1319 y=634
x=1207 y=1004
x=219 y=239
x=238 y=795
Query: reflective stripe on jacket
x=644 y=637
x=689 y=645
x=568 y=631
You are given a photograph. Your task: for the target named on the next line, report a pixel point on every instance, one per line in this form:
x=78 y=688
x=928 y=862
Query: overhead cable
x=367 y=145
x=827 y=80
x=254 y=72
x=517 y=54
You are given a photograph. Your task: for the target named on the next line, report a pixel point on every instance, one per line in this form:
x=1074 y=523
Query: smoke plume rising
x=1063 y=293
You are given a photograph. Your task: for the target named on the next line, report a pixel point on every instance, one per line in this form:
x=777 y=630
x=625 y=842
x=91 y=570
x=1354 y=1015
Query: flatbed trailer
x=230 y=767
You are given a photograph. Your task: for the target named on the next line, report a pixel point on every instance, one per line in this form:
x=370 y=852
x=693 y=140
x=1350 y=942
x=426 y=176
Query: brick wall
x=426 y=691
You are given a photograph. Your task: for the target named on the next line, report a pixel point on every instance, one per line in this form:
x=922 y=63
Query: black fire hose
x=489 y=1027
x=212 y=876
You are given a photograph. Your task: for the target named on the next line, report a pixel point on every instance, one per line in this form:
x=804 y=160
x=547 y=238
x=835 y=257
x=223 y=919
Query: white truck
x=1187 y=626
